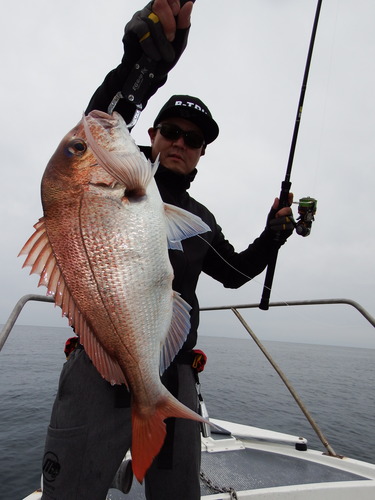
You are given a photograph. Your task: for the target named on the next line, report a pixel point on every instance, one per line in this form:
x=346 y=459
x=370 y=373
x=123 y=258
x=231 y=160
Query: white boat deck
x=265 y=464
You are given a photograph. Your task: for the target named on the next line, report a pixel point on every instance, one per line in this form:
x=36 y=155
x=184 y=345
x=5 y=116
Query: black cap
x=192 y=109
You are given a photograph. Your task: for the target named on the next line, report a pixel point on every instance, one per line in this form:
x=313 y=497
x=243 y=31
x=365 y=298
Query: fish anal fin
x=182 y=224
x=148 y=431
x=178 y=331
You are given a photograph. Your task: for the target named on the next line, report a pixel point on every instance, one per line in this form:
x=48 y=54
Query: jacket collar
x=169 y=178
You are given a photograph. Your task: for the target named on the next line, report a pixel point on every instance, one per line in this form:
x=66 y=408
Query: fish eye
x=76 y=147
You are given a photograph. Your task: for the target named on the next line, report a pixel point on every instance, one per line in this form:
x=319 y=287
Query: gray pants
x=90 y=432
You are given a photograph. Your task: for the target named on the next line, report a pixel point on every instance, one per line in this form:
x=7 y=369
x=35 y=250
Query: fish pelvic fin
x=182 y=224
x=149 y=431
x=178 y=331
x=41 y=258
x=127 y=165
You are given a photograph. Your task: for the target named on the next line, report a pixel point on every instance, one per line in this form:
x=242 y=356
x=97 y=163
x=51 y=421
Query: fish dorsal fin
x=106 y=366
x=42 y=260
x=178 y=331
x=182 y=224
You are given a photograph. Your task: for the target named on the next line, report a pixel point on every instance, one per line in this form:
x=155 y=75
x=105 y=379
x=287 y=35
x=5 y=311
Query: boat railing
x=293 y=392
x=7 y=328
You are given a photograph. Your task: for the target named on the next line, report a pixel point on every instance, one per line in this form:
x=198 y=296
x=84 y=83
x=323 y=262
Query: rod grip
x=265 y=299
x=283 y=202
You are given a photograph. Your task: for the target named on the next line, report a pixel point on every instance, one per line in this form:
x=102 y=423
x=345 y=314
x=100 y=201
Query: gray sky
x=245 y=60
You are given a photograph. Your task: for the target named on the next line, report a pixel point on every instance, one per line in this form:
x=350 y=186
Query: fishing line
x=328 y=85
x=234 y=268
x=296 y=311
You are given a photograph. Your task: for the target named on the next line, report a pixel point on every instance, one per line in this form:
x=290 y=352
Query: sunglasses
x=173 y=133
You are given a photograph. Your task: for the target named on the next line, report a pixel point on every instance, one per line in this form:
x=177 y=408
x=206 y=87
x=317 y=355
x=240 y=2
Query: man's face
x=175 y=154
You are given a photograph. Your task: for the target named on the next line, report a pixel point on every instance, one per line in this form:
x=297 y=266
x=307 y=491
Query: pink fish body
x=101 y=249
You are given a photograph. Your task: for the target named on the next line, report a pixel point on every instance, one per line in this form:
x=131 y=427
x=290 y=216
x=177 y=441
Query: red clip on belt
x=199 y=361
x=70 y=345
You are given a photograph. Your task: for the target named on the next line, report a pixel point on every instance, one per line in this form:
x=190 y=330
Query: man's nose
x=179 y=141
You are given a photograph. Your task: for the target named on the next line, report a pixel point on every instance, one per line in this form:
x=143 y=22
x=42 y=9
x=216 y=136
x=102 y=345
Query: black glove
x=144 y=35
x=280 y=227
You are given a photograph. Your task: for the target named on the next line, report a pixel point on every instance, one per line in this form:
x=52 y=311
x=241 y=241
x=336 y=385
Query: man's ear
x=152 y=132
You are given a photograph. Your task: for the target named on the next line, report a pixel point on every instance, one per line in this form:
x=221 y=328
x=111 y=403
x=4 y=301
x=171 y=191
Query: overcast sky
x=245 y=60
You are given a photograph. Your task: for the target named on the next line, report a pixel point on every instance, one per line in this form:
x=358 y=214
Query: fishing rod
x=307 y=206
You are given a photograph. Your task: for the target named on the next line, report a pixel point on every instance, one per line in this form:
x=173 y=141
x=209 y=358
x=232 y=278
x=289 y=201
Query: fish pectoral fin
x=177 y=333
x=182 y=224
x=148 y=432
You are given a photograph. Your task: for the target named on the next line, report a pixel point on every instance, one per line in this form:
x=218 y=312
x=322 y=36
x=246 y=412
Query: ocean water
x=336 y=384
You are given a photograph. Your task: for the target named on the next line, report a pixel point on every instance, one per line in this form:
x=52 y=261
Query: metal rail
x=321 y=302
x=283 y=377
x=42 y=298
x=289 y=386
x=16 y=312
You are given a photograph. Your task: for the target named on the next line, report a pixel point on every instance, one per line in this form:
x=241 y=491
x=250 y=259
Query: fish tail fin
x=149 y=431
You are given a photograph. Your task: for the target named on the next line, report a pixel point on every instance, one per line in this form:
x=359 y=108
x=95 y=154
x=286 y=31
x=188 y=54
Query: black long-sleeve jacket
x=219 y=260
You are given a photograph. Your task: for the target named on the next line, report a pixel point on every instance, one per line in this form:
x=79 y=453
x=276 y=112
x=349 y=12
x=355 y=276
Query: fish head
x=98 y=151
x=109 y=138
x=72 y=169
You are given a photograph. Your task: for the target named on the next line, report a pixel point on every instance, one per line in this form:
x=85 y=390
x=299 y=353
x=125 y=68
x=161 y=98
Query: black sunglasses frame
x=173 y=132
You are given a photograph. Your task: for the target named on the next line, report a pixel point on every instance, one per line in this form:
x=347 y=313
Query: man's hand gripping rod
x=286 y=184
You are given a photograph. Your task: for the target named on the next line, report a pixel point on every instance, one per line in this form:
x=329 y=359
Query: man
x=90 y=429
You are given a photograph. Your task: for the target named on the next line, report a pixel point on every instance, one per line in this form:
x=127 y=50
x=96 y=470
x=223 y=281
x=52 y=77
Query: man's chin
x=176 y=165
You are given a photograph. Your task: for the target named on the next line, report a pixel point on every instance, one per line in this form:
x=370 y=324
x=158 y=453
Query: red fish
x=101 y=249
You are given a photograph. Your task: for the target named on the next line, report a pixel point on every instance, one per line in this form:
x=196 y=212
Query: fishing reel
x=306 y=211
